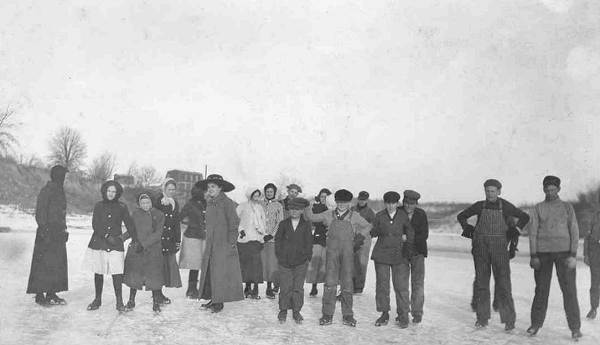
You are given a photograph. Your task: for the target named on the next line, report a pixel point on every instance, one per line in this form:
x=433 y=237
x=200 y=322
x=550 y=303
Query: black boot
x=247 y=290
x=41 y=299
x=592 y=314
x=207 y=305
x=326 y=320
x=270 y=294
x=576 y=334
x=192 y=291
x=53 y=299
x=118 y=286
x=254 y=293
x=314 y=291
x=163 y=299
x=131 y=303
x=383 y=319
x=216 y=307
x=298 y=317
x=98 y=284
x=156 y=301
x=349 y=320
x=282 y=316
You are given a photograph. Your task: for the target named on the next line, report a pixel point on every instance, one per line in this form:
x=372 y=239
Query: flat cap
x=411 y=195
x=298 y=204
x=343 y=195
x=391 y=197
x=363 y=195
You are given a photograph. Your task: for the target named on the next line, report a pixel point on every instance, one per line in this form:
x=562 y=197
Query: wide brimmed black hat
x=218 y=180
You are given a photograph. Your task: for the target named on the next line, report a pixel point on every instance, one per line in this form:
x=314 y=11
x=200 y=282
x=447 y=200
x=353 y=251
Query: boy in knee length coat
x=293 y=248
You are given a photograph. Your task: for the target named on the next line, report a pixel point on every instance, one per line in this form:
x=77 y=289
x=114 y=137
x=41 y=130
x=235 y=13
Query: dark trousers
x=400 y=276
x=291 y=285
x=417 y=284
x=491 y=255
x=339 y=267
x=568 y=286
x=594 y=256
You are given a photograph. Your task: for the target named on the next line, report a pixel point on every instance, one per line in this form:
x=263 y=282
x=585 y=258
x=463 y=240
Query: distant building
x=125 y=180
x=185 y=180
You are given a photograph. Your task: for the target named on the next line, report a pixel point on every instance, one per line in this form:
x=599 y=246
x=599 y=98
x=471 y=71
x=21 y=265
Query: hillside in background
x=20 y=185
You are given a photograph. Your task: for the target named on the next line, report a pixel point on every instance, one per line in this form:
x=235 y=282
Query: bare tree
x=67 y=148
x=133 y=169
x=7 y=138
x=103 y=167
x=146 y=176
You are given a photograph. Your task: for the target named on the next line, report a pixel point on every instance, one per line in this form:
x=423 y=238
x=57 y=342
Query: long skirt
x=192 y=250
x=103 y=262
x=269 y=262
x=251 y=261
x=316 y=268
x=171 y=271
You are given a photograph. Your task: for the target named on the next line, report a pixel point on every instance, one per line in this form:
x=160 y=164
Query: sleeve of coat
x=317 y=218
x=532 y=229
x=308 y=239
x=185 y=212
x=233 y=222
x=41 y=209
x=279 y=241
x=129 y=225
x=96 y=226
x=573 y=230
x=469 y=212
x=423 y=233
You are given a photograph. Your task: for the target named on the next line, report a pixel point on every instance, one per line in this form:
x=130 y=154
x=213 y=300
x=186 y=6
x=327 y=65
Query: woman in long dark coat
x=193 y=214
x=171 y=235
x=221 y=277
x=105 y=254
x=49 y=272
x=144 y=260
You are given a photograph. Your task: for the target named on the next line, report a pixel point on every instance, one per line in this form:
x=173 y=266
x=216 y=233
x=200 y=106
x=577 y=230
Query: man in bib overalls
x=490 y=251
x=345 y=227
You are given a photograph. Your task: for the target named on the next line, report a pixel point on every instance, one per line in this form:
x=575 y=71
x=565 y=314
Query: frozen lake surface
x=447 y=319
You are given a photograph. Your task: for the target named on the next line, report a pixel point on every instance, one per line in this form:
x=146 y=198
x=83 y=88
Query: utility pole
x=205 y=171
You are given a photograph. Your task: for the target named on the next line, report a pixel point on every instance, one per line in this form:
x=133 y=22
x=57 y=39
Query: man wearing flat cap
x=490 y=251
x=293 y=190
x=420 y=225
x=553 y=241
x=361 y=256
x=395 y=238
x=293 y=248
x=344 y=227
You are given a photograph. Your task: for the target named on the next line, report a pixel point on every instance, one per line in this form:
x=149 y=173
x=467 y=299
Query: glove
x=586 y=260
x=468 y=231
x=359 y=240
x=535 y=263
x=242 y=234
x=66 y=236
x=571 y=262
x=512 y=249
x=111 y=240
x=267 y=238
x=512 y=233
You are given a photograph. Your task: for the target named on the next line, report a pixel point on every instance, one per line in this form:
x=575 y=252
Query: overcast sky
x=432 y=95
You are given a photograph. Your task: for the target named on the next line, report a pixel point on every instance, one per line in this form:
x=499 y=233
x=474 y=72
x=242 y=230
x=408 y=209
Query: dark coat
x=420 y=225
x=366 y=212
x=171 y=236
x=49 y=271
x=107 y=220
x=293 y=247
x=389 y=248
x=195 y=211
x=320 y=235
x=221 y=256
x=145 y=268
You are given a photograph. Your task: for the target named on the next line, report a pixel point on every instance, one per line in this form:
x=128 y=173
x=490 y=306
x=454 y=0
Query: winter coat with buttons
x=107 y=220
x=171 y=236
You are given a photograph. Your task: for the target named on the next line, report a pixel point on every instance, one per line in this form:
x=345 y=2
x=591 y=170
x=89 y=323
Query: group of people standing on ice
x=230 y=249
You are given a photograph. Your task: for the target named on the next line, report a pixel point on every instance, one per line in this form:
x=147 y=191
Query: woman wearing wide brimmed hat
x=221 y=277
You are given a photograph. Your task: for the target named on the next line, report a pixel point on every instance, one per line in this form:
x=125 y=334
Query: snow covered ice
x=447 y=319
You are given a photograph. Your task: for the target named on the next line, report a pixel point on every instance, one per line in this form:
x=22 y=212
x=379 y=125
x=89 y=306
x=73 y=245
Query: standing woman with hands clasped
x=105 y=253
x=171 y=236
